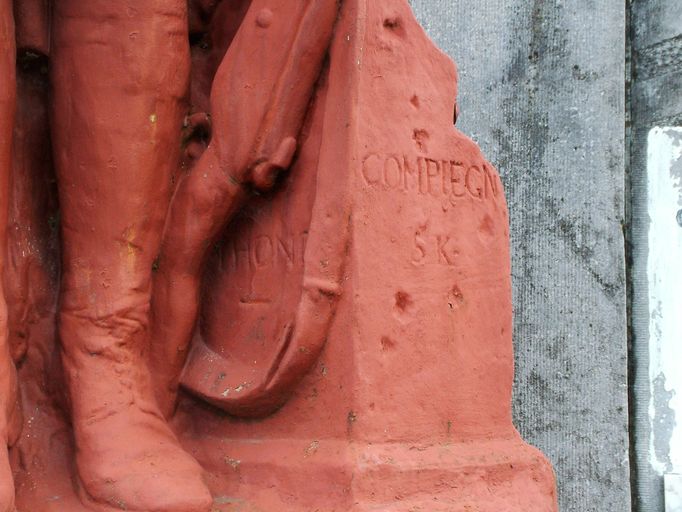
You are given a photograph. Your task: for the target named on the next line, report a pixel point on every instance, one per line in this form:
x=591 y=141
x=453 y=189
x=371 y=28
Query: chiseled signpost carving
x=250 y=265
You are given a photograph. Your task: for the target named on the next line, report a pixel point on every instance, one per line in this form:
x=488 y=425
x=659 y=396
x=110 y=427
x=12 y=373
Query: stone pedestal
x=408 y=407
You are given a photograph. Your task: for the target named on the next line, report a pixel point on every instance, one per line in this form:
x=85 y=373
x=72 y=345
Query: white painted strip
x=673 y=493
x=664 y=272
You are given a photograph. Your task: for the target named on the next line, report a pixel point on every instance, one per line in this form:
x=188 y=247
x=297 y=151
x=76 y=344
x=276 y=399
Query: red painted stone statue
x=249 y=265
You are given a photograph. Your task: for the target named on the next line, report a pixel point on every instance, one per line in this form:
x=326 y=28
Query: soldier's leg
x=259 y=101
x=119 y=74
x=8 y=385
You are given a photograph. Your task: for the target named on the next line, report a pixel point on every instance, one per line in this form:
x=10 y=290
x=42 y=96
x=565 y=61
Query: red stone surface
x=341 y=334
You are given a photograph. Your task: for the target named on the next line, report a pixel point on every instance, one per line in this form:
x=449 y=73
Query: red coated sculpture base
x=397 y=371
x=345 y=477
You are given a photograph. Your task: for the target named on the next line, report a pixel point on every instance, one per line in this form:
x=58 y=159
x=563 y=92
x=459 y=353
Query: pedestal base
x=339 y=476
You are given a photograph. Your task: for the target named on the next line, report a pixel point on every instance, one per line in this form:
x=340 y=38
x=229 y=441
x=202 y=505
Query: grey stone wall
x=542 y=90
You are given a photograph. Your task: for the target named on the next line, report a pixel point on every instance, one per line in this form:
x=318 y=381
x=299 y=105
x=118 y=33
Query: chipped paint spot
x=312 y=448
x=664 y=273
x=235 y=463
x=664 y=422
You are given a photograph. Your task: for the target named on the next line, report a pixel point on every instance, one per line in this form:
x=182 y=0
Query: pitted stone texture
x=542 y=93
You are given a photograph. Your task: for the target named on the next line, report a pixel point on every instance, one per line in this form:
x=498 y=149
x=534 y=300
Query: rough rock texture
x=542 y=93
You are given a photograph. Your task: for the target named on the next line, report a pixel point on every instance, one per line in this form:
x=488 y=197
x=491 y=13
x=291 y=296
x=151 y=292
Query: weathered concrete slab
x=542 y=91
x=655 y=103
x=655 y=21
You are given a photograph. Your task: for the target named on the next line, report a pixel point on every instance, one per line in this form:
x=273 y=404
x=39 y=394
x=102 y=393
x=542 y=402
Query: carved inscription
x=255 y=253
x=261 y=251
x=430 y=248
x=427 y=176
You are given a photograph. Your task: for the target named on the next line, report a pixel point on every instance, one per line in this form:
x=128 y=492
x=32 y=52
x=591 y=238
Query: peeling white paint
x=673 y=493
x=664 y=272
